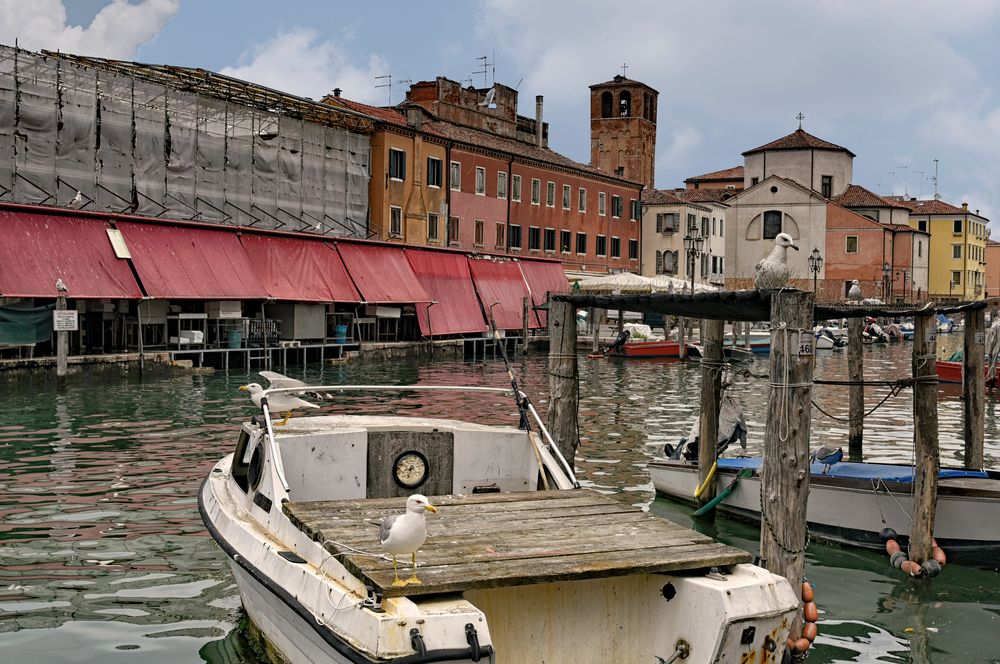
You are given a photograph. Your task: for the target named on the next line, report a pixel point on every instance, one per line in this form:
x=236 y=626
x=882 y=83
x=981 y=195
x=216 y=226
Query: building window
x=772 y=224
x=581 y=243
x=722 y=227
x=616 y=247
x=616 y=206
x=704 y=227
x=666 y=262
x=826 y=186
x=565 y=241
x=583 y=200
x=634 y=210
x=754 y=181
x=502 y=184
x=956 y=251
x=607 y=101
x=922 y=225
x=501 y=235
x=395 y=222
x=434 y=172
x=920 y=249
x=602 y=203
x=625 y=104
x=534 y=238
x=713 y=225
x=515 y=236
x=550 y=239
x=515 y=191
x=456 y=176
x=633 y=250
x=567 y=194
x=957 y=227
x=397 y=164
x=536 y=191
x=480 y=181
x=452 y=230
x=704 y=265
x=852 y=244
x=602 y=245
x=667 y=222
x=550 y=194
x=692 y=225
x=956 y=278
x=432 y=226
x=480 y=232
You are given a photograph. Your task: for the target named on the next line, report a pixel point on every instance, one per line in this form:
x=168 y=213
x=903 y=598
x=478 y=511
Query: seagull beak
x=794 y=246
x=431 y=508
x=244 y=388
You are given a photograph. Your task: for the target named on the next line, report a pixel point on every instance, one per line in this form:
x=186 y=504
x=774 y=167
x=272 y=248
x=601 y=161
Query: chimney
x=336 y=92
x=965 y=207
x=415 y=117
x=538 y=121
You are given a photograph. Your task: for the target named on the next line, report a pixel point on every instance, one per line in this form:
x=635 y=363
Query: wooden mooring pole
x=785 y=480
x=974 y=386
x=925 y=437
x=525 y=312
x=564 y=379
x=711 y=392
x=62 y=342
x=855 y=374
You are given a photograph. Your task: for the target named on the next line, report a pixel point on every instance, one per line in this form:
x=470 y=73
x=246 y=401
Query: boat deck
x=509 y=539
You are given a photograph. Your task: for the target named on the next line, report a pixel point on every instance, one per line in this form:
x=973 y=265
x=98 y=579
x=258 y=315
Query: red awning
x=184 y=262
x=501 y=281
x=446 y=279
x=299 y=270
x=37 y=249
x=544 y=277
x=382 y=274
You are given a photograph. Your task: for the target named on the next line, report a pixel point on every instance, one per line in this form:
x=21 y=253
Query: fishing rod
x=522 y=407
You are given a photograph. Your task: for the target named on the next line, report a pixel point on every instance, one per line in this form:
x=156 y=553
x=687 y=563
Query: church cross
x=800 y=118
x=624 y=67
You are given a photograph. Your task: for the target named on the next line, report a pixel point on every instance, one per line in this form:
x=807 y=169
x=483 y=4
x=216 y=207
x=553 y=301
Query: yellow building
x=957 y=248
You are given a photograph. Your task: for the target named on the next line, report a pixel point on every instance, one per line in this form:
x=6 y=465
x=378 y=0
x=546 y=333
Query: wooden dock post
x=711 y=392
x=855 y=374
x=564 y=379
x=595 y=329
x=925 y=437
x=974 y=386
x=785 y=480
x=525 y=309
x=62 y=341
x=681 y=347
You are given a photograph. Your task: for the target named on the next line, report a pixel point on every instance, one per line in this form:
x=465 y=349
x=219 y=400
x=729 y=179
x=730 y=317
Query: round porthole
x=410 y=469
x=256 y=470
x=774 y=189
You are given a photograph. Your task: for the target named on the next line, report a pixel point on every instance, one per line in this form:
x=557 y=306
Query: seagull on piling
x=854 y=294
x=772 y=272
x=282 y=401
x=405 y=533
x=827 y=456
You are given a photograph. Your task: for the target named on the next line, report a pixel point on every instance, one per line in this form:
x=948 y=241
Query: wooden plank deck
x=506 y=539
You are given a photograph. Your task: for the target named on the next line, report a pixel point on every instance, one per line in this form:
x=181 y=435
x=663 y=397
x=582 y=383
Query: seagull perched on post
x=405 y=533
x=61 y=286
x=282 y=401
x=772 y=272
x=854 y=294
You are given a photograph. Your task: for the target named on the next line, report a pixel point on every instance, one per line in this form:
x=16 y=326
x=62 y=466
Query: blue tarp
x=859 y=471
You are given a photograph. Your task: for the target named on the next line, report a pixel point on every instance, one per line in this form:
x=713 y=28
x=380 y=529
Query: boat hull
x=951 y=372
x=644 y=349
x=848 y=511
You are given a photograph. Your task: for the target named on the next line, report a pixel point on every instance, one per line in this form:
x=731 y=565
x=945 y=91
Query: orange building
x=992 y=268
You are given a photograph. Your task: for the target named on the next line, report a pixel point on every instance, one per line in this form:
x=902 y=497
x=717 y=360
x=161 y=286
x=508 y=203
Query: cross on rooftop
x=800 y=118
x=624 y=67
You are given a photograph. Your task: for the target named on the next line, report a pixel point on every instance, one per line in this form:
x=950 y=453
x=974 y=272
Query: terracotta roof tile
x=386 y=114
x=620 y=80
x=667 y=197
x=734 y=173
x=857 y=196
x=930 y=206
x=704 y=195
x=799 y=140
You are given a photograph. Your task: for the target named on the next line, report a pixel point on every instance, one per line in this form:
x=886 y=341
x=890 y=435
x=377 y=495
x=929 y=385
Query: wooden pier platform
x=508 y=539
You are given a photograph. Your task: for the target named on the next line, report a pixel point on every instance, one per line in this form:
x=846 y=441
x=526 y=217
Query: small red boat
x=951 y=372
x=640 y=349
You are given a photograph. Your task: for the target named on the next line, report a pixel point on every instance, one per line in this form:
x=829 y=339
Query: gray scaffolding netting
x=101 y=139
x=746 y=305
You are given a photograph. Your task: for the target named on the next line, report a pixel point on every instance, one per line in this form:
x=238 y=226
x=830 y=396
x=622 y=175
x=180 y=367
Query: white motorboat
x=509 y=573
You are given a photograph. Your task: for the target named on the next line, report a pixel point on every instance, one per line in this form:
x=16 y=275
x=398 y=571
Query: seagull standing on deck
x=282 y=401
x=854 y=294
x=405 y=533
x=772 y=272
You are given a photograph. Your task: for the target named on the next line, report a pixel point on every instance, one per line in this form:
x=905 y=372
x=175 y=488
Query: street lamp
x=693 y=245
x=886 y=284
x=905 y=274
x=815 y=265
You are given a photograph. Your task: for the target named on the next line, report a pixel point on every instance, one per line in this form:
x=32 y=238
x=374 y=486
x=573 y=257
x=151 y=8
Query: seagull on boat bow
x=405 y=533
x=772 y=272
x=827 y=456
x=282 y=401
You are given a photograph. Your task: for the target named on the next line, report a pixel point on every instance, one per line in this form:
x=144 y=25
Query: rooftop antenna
x=484 y=64
x=388 y=84
x=404 y=82
x=906 y=192
x=920 y=191
x=936 y=194
x=800 y=118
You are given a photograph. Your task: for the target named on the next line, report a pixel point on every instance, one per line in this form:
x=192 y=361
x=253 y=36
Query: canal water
x=103 y=557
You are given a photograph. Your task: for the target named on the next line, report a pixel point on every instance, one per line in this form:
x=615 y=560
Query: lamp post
x=692 y=247
x=815 y=265
x=886 y=284
x=906 y=277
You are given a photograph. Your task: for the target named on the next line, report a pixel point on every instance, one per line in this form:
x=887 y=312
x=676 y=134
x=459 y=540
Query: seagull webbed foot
x=413 y=581
x=399 y=583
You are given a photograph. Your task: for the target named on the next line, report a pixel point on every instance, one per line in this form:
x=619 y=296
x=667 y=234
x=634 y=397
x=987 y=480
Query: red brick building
x=623 y=129
x=728 y=179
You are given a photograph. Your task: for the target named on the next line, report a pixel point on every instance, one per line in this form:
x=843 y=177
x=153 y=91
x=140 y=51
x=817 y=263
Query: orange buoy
x=807 y=591
x=802 y=645
x=809 y=631
x=891 y=546
x=937 y=553
x=910 y=567
x=594 y=356
x=810 y=612
x=789 y=644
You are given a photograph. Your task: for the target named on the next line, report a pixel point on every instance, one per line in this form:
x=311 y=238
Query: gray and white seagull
x=284 y=402
x=405 y=533
x=772 y=272
x=854 y=293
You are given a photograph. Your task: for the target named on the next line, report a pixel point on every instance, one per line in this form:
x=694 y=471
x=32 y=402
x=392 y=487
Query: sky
x=901 y=83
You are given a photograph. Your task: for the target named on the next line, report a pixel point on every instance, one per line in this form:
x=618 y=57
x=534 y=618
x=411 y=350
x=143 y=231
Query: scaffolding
x=180 y=143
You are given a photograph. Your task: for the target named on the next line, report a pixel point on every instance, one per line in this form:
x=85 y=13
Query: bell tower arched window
x=606 y=102
x=625 y=104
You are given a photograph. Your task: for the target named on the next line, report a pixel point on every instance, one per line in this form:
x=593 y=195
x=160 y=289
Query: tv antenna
x=905 y=169
x=920 y=191
x=388 y=84
x=936 y=194
x=892 y=183
x=486 y=67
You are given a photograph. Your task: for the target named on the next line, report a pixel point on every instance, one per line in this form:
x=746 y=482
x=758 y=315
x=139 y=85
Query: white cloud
x=676 y=155
x=299 y=61
x=117 y=31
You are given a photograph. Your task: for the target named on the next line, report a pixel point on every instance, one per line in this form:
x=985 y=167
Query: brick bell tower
x=623 y=129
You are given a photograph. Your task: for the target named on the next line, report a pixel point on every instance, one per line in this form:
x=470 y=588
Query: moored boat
x=508 y=573
x=641 y=348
